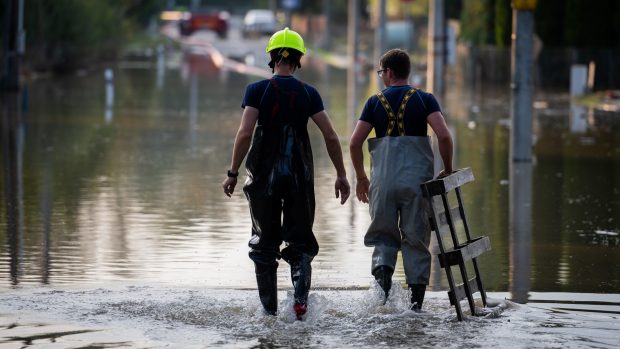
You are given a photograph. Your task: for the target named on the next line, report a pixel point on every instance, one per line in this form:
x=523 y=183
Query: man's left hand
x=362 y=188
x=342 y=189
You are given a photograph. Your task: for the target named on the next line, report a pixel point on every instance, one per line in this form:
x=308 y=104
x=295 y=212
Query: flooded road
x=112 y=215
x=158 y=317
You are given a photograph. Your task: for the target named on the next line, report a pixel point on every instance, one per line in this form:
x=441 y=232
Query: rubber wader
x=399 y=213
x=280 y=191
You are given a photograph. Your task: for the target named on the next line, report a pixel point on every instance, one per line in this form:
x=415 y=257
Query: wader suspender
x=401 y=112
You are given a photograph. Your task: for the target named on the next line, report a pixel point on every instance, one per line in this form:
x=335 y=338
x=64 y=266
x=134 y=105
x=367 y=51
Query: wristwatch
x=232 y=174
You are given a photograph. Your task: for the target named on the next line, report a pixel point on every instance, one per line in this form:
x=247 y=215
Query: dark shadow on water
x=12 y=145
x=51 y=336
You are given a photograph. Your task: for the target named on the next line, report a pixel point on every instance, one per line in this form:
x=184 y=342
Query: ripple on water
x=189 y=317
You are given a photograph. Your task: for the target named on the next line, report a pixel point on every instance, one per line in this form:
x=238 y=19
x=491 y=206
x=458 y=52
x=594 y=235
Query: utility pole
x=327 y=35
x=380 y=37
x=520 y=230
x=521 y=79
x=352 y=48
x=13 y=44
x=436 y=48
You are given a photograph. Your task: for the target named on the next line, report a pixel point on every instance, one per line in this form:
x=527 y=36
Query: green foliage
x=578 y=23
x=69 y=32
x=140 y=12
x=549 y=17
x=453 y=9
x=559 y=23
x=73 y=22
x=503 y=19
x=475 y=21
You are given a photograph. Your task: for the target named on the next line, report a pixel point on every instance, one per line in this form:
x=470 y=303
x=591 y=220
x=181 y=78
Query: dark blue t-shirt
x=419 y=107
x=262 y=95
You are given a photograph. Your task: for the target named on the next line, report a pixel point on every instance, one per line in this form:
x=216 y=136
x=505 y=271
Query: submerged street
x=116 y=231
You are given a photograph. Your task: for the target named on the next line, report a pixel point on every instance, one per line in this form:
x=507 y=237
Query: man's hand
x=444 y=173
x=362 y=187
x=229 y=185
x=342 y=189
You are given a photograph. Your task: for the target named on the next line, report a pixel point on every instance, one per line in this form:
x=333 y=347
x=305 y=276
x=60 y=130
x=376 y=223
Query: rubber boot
x=417 y=296
x=301 y=275
x=266 y=278
x=383 y=275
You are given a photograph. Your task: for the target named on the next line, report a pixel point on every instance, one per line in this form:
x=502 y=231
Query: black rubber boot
x=417 y=296
x=301 y=275
x=267 y=280
x=383 y=275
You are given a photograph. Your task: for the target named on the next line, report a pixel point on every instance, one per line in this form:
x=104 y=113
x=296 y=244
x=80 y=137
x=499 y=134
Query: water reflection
x=520 y=230
x=13 y=133
x=161 y=67
x=109 y=95
x=46 y=215
x=578 y=118
x=139 y=198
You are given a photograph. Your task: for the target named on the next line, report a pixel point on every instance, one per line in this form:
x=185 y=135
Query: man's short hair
x=285 y=55
x=398 y=61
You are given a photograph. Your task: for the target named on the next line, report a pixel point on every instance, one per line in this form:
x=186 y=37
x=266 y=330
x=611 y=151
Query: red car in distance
x=216 y=21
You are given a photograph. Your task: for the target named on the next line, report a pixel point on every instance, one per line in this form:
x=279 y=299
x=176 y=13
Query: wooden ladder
x=443 y=218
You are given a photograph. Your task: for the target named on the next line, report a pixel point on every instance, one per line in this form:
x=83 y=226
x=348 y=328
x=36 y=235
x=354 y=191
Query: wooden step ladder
x=452 y=252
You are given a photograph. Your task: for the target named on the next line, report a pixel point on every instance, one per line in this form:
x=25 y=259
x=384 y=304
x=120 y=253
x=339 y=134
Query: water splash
x=195 y=317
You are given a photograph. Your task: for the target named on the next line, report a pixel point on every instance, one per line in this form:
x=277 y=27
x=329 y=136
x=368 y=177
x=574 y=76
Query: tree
x=475 y=22
x=503 y=20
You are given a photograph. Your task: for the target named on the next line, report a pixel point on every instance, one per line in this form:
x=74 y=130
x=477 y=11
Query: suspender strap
x=398 y=118
x=292 y=98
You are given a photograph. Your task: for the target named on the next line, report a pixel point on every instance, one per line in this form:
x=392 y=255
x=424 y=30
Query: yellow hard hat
x=286 y=38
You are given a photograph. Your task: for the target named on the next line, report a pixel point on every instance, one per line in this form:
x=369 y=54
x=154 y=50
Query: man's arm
x=241 y=147
x=438 y=124
x=342 y=188
x=361 y=132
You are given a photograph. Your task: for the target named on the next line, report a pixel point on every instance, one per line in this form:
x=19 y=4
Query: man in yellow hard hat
x=280 y=183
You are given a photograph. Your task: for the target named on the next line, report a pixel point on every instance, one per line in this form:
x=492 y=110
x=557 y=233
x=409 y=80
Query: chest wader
x=399 y=218
x=280 y=192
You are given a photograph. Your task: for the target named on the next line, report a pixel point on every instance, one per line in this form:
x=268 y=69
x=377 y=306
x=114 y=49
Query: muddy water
x=119 y=184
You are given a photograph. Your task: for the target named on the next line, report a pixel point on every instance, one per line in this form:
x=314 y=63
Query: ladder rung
x=445 y=184
x=465 y=252
x=459 y=290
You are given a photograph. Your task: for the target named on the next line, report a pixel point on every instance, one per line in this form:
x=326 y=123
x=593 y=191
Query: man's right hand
x=229 y=185
x=362 y=187
x=444 y=173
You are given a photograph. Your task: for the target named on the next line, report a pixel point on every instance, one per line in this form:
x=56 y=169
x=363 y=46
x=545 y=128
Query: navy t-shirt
x=419 y=107
x=263 y=91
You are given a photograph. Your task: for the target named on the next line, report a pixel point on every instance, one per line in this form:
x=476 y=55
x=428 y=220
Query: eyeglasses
x=380 y=72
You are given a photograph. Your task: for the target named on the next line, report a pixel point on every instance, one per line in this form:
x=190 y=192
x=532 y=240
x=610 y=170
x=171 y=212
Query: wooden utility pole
x=521 y=79
x=436 y=48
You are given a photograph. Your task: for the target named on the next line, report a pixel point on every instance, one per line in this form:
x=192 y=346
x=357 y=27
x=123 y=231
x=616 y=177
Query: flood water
x=113 y=216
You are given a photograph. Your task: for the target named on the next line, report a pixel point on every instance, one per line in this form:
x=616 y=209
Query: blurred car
x=216 y=21
x=259 y=22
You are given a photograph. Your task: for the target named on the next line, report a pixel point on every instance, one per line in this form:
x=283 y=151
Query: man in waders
x=280 y=183
x=402 y=159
